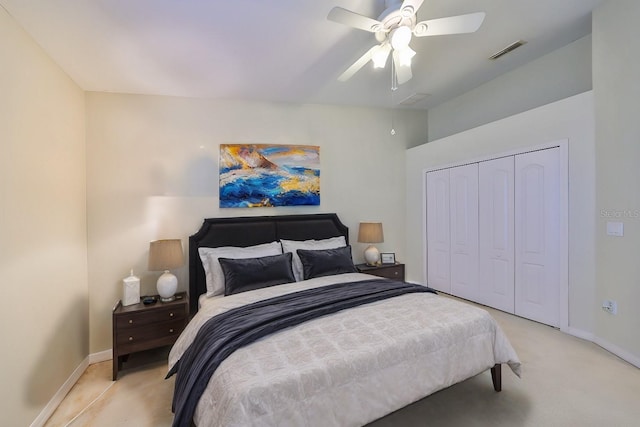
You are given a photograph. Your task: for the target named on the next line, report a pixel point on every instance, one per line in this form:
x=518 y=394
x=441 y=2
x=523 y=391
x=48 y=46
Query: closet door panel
x=496 y=234
x=464 y=231
x=438 y=232
x=537 y=214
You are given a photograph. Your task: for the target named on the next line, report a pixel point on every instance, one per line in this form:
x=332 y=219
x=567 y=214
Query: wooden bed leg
x=496 y=377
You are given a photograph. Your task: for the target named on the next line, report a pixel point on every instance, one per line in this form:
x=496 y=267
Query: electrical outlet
x=610 y=306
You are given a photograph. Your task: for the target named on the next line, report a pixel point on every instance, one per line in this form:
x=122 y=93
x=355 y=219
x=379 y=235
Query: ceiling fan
x=393 y=30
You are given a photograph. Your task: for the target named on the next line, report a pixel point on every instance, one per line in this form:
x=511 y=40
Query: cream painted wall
x=616 y=67
x=572 y=119
x=43 y=250
x=153 y=173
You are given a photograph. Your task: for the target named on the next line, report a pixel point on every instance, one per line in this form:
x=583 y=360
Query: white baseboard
x=103 y=356
x=621 y=353
x=57 y=398
x=611 y=348
x=579 y=333
x=53 y=404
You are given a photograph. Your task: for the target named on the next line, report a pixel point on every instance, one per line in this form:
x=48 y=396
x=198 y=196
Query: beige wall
x=153 y=173
x=616 y=67
x=44 y=326
x=571 y=119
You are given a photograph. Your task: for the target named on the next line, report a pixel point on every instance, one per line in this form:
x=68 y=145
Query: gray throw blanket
x=223 y=334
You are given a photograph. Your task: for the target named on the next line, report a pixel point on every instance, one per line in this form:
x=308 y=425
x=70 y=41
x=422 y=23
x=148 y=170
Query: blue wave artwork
x=263 y=175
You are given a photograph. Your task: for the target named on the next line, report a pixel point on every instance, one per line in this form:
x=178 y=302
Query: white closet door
x=537 y=236
x=438 y=237
x=463 y=187
x=496 y=234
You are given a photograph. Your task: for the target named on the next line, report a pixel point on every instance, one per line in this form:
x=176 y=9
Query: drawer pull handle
x=395 y=273
x=171 y=330
x=170 y=314
x=130 y=320
x=130 y=338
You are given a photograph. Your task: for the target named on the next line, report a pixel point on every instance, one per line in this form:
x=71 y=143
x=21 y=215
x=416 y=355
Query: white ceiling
x=283 y=50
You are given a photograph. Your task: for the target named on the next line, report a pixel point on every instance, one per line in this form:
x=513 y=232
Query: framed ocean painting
x=267 y=175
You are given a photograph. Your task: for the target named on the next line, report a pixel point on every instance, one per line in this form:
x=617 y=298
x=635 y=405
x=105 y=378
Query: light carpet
x=566 y=381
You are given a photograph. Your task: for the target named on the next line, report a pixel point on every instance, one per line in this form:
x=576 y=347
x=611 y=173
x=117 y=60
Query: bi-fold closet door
x=493 y=233
x=497 y=219
x=452 y=230
x=538 y=210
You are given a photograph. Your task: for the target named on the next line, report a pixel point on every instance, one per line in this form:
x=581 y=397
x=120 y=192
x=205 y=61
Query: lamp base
x=167 y=286
x=372 y=255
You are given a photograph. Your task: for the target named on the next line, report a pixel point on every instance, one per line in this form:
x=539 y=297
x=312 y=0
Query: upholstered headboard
x=249 y=231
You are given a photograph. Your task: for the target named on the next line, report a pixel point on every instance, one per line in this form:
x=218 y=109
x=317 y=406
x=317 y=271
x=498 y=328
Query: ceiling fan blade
x=452 y=25
x=403 y=72
x=410 y=7
x=355 y=67
x=355 y=20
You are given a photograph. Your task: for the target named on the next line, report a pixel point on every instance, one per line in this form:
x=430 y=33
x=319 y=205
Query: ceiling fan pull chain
x=394 y=78
x=394 y=87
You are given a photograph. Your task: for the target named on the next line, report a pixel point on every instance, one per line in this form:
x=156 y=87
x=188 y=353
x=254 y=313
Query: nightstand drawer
x=395 y=272
x=133 y=320
x=133 y=338
x=392 y=271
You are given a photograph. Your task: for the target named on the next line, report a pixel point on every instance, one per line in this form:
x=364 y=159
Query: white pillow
x=212 y=269
x=311 y=245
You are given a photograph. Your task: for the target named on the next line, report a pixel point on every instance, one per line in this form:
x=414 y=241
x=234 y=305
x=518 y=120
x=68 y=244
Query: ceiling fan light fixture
x=401 y=37
x=394 y=30
x=405 y=55
x=380 y=55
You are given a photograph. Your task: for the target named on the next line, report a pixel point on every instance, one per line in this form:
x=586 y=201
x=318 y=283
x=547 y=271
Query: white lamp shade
x=405 y=56
x=380 y=55
x=401 y=37
x=167 y=286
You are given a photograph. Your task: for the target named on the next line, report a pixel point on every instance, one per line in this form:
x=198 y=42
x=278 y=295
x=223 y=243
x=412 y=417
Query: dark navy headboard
x=254 y=230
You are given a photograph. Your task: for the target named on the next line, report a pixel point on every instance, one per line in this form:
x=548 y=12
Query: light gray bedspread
x=347 y=368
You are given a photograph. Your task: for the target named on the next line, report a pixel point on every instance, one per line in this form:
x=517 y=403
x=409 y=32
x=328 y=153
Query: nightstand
x=390 y=271
x=141 y=327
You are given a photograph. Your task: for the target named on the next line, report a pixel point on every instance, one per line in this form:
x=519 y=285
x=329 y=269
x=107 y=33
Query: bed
x=347 y=367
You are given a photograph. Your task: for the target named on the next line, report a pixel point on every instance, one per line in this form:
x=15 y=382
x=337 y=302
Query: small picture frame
x=387 y=258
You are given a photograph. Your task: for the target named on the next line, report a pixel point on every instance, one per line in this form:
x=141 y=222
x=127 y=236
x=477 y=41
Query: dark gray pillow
x=241 y=275
x=326 y=262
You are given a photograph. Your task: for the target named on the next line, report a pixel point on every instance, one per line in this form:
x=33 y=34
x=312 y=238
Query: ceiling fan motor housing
x=394 y=17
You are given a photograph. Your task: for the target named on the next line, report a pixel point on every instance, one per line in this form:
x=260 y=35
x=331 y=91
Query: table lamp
x=166 y=255
x=371 y=232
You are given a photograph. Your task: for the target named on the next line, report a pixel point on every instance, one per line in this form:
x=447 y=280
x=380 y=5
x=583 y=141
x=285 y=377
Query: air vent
x=513 y=46
x=414 y=99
